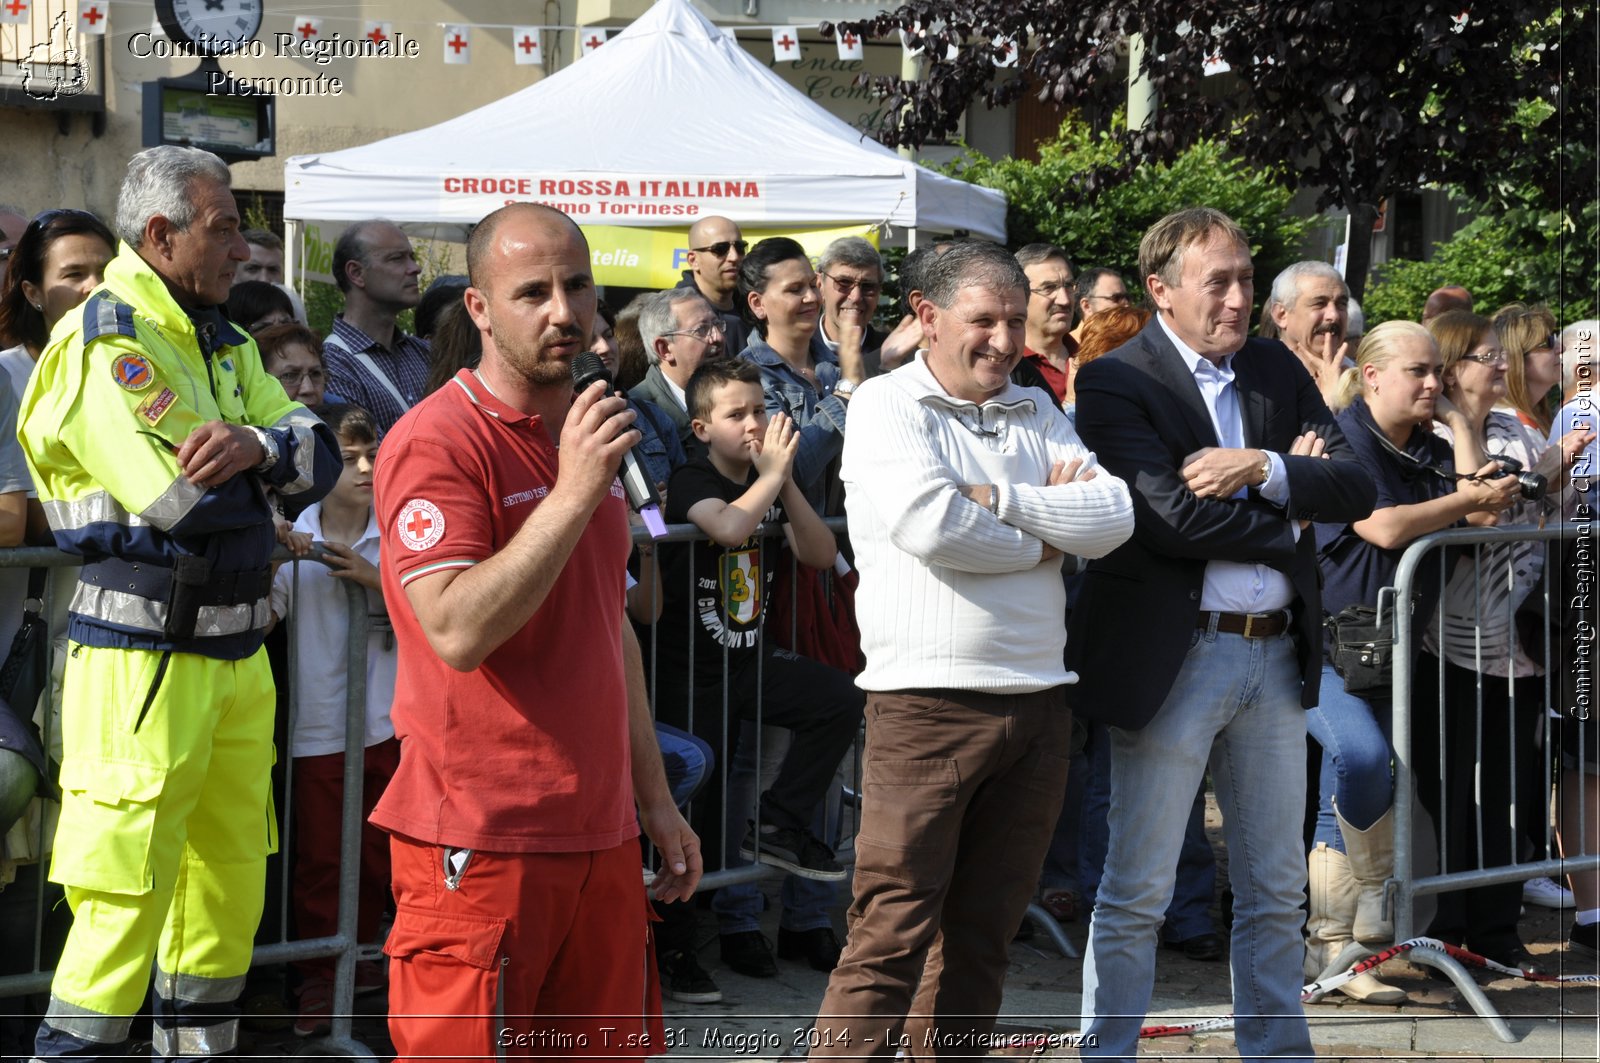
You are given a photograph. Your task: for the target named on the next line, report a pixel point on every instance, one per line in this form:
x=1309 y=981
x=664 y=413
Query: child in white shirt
x=344 y=525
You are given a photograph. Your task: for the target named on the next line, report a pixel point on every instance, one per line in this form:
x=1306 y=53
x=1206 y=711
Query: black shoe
x=819 y=947
x=1584 y=940
x=1204 y=947
x=797 y=851
x=684 y=980
x=749 y=954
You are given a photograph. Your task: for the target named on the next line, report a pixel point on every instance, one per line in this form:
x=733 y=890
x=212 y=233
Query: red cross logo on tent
x=16 y=7
x=594 y=42
x=786 y=41
x=457 y=43
x=421 y=524
x=93 y=15
x=307 y=30
x=850 y=40
x=526 y=44
x=377 y=36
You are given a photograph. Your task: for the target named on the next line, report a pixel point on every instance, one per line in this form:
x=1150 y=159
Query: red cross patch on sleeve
x=421 y=524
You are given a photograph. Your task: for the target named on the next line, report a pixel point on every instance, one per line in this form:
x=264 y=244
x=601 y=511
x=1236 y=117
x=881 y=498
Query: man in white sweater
x=963 y=491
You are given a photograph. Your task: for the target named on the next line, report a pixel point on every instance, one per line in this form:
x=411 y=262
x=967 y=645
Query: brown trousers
x=960 y=793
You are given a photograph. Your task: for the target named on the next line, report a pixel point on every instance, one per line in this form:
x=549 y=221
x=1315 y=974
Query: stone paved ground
x=1042 y=994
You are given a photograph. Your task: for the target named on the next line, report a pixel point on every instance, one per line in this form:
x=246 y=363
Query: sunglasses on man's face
x=722 y=247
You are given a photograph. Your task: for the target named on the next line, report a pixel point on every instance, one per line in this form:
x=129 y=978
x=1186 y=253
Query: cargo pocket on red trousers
x=443 y=983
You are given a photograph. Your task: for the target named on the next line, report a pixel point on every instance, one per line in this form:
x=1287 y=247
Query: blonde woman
x=1386 y=401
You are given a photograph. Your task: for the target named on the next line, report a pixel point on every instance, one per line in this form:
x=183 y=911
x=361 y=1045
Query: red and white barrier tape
x=1455 y=952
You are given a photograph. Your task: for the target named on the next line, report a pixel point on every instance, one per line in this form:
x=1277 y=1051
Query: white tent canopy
x=670 y=120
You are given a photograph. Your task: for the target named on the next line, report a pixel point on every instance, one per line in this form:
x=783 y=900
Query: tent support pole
x=292 y=255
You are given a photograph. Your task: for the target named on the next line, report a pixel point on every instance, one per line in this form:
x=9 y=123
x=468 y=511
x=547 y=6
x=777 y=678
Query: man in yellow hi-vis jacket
x=153 y=432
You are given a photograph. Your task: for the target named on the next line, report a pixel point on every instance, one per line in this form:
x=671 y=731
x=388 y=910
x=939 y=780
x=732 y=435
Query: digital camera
x=1530 y=485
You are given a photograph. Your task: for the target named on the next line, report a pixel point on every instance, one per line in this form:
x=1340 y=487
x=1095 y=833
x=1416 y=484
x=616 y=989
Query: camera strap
x=1409 y=459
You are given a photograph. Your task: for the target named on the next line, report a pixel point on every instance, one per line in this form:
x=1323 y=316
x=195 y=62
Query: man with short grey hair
x=963 y=491
x=153 y=434
x=372 y=362
x=679 y=329
x=850 y=277
x=1310 y=304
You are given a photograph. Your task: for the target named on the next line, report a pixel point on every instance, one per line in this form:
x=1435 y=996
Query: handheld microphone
x=636 y=483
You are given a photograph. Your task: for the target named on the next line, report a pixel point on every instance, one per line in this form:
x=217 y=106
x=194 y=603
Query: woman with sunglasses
x=1384 y=402
x=1476 y=681
x=800 y=375
x=1533 y=362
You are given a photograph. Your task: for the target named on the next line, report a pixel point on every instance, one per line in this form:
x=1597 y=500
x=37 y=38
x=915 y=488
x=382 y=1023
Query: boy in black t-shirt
x=740 y=482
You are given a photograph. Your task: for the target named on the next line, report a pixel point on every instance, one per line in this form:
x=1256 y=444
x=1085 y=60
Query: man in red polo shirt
x=1049 y=344
x=525 y=732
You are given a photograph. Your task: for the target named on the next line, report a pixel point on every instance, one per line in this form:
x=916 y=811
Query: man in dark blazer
x=1199 y=640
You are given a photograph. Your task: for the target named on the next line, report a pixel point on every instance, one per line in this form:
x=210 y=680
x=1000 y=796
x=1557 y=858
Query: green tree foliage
x=1498 y=261
x=1050 y=200
x=1362 y=100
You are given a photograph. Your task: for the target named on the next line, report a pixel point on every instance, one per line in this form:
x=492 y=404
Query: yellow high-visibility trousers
x=166 y=823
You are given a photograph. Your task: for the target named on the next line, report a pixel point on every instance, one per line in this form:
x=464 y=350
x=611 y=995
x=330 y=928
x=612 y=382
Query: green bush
x=1500 y=259
x=1047 y=201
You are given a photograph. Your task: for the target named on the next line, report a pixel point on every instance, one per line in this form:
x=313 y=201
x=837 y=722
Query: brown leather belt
x=1250 y=625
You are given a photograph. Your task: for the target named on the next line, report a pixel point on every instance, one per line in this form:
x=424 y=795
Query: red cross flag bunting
x=307 y=30
x=93 y=16
x=1005 y=51
x=378 y=32
x=525 y=46
x=457 y=45
x=14 y=12
x=850 y=46
x=590 y=38
x=785 y=46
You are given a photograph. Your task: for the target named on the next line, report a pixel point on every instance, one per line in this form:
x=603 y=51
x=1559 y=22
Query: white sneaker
x=1547 y=894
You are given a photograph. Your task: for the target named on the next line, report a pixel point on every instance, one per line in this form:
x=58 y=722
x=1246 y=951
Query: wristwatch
x=844 y=388
x=269 y=446
x=1266 y=468
x=994 y=500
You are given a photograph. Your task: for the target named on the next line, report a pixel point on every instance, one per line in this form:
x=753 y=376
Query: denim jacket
x=819 y=418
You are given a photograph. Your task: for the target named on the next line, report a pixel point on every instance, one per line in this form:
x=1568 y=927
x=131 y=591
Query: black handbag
x=24 y=678
x=1361 y=647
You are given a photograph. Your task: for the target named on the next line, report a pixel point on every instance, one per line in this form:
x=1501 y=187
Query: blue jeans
x=1236 y=704
x=1356 y=758
x=1189 y=914
x=686 y=759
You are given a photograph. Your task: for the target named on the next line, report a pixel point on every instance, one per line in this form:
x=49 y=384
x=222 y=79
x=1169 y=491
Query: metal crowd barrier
x=846 y=818
x=343 y=945
x=1440 y=552
x=843 y=821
